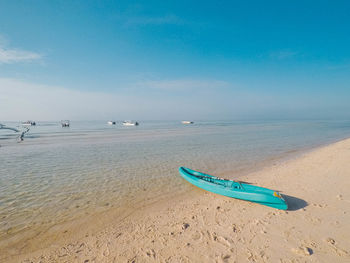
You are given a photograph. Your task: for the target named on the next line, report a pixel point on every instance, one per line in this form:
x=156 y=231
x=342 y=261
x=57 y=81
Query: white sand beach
x=205 y=227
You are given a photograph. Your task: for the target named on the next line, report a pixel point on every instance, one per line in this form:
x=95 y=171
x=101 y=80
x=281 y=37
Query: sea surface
x=58 y=174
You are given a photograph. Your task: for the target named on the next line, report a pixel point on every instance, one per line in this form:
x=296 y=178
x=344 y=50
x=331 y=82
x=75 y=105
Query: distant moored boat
x=28 y=123
x=130 y=123
x=65 y=123
x=187 y=122
x=111 y=122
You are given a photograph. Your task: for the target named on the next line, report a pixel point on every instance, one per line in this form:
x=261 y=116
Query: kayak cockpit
x=213 y=179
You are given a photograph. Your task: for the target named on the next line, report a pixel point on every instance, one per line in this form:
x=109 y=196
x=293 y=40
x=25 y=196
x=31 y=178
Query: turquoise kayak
x=234 y=189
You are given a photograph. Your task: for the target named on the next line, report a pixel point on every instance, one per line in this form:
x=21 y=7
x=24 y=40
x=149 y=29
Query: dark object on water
x=20 y=138
x=28 y=123
x=4 y=127
x=65 y=123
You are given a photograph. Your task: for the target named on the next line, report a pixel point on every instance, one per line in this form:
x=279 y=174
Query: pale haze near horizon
x=22 y=101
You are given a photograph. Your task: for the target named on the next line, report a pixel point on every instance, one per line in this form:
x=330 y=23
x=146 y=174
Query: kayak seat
x=236 y=185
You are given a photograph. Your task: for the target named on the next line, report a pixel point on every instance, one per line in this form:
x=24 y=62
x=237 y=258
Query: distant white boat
x=130 y=123
x=187 y=122
x=28 y=123
x=111 y=122
x=65 y=123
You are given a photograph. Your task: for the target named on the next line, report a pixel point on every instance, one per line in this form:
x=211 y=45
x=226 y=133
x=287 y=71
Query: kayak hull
x=234 y=189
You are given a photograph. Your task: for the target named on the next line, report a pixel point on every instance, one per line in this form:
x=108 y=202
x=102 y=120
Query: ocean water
x=58 y=174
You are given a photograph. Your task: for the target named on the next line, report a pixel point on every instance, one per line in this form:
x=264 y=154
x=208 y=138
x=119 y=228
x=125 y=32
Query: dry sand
x=205 y=227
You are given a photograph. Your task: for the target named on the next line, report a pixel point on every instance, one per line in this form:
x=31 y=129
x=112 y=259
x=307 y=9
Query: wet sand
x=205 y=227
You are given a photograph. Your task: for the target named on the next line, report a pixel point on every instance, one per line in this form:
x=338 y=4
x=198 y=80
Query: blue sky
x=174 y=60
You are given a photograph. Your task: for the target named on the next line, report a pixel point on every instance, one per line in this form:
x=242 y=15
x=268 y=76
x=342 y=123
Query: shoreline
x=193 y=197
x=47 y=233
x=279 y=159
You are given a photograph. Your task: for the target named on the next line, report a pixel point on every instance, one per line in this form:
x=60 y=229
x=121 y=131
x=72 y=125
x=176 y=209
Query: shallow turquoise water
x=57 y=174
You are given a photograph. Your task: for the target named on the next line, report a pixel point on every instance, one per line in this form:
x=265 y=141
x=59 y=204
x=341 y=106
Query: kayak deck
x=234 y=189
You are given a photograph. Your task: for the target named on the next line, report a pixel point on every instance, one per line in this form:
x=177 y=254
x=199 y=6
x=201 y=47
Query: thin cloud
x=161 y=20
x=283 y=54
x=339 y=67
x=10 y=56
x=199 y=99
x=21 y=100
x=179 y=85
x=24 y=100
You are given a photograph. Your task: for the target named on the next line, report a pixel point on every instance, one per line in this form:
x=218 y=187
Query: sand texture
x=205 y=227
